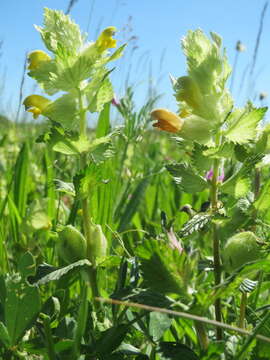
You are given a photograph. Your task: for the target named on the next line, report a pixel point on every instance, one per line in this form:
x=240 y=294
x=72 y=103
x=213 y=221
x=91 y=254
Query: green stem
x=49 y=339
x=92 y=275
x=81 y=323
x=202 y=335
x=216 y=245
x=242 y=315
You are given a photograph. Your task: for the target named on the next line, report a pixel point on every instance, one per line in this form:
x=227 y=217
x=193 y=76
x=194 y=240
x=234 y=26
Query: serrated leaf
x=196 y=223
x=156 y=271
x=243 y=128
x=263 y=201
x=199 y=160
x=65 y=142
x=186 y=177
x=104 y=94
x=57 y=274
x=89 y=178
x=225 y=150
x=64 y=187
x=239 y=183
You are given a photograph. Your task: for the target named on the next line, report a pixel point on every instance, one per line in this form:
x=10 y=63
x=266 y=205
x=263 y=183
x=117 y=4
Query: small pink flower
x=221 y=176
x=210 y=173
x=115 y=101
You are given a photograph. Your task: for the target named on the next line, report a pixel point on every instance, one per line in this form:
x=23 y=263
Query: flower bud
x=37 y=58
x=98 y=246
x=72 y=244
x=240 y=249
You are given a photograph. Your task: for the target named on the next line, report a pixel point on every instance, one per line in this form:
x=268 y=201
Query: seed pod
x=98 y=246
x=240 y=249
x=72 y=244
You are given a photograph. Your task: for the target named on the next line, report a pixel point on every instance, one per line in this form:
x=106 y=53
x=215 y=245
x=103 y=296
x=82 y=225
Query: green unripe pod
x=72 y=244
x=98 y=246
x=239 y=250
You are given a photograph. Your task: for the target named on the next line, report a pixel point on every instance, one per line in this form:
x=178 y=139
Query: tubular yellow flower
x=189 y=126
x=36 y=104
x=167 y=120
x=105 y=40
x=36 y=58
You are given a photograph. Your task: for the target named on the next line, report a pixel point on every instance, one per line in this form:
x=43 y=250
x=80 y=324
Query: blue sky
x=155 y=27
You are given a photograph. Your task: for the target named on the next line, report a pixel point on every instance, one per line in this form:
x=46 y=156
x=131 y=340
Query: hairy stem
x=216 y=245
x=92 y=275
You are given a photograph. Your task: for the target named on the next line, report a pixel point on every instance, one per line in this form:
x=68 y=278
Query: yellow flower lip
x=36 y=58
x=105 y=40
x=36 y=104
x=167 y=120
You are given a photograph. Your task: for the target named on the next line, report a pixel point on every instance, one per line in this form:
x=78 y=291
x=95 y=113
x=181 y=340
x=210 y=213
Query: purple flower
x=221 y=176
x=210 y=173
x=115 y=101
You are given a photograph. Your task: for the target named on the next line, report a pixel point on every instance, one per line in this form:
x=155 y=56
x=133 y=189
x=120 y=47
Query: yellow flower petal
x=36 y=58
x=36 y=104
x=167 y=120
x=105 y=40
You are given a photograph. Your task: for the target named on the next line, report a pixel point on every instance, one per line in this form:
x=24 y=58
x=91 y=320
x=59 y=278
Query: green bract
x=240 y=249
x=203 y=91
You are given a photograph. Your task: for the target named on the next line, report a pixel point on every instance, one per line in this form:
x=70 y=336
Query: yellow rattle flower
x=36 y=58
x=105 y=40
x=167 y=120
x=36 y=104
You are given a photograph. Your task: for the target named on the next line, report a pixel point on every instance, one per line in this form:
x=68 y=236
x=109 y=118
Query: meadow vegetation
x=134 y=241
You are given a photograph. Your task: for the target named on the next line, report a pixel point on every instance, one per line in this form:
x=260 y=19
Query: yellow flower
x=167 y=120
x=36 y=104
x=36 y=58
x=105 y=40
x=189 y=126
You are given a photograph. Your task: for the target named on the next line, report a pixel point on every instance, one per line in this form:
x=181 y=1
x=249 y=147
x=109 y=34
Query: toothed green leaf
x=186 y=178
x=243 y=125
